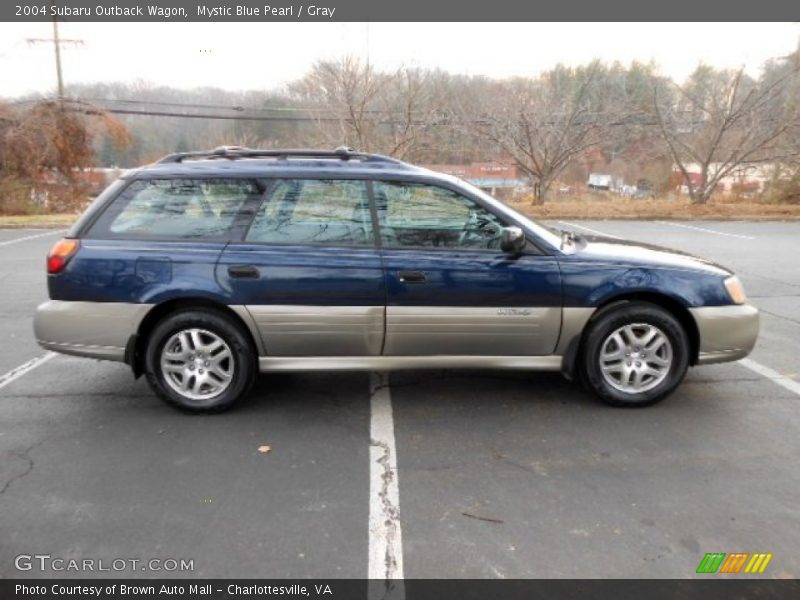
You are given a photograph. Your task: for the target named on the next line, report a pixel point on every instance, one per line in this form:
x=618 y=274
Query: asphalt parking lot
x=512 y=475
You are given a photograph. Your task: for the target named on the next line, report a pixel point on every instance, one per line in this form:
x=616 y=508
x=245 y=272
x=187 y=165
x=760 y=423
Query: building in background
x=745 y=180
x=498 y=179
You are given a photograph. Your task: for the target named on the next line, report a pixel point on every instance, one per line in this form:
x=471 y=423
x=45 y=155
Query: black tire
x=242 y=358
x=608 y=321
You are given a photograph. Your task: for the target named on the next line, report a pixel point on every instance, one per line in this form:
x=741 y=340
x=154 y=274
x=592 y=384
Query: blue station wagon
x=205 y=268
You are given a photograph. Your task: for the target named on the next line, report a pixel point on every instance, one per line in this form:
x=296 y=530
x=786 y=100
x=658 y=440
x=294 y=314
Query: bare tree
x=721 y=121
x=786 y=171
x=347 y=89
x=542 y=124
x=372 y=111
x=406 y=111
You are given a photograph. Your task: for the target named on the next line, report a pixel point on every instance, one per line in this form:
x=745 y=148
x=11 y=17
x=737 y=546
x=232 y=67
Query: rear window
x=176 y=209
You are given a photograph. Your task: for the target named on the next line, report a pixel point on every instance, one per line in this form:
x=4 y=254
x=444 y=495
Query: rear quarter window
x=177 y=209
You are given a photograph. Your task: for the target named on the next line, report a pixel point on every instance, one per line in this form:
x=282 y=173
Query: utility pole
x=57 y=46
x=57 y=41
x=367 y=40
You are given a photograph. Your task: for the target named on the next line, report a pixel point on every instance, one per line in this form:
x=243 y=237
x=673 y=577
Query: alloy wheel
x=197 y=364
x=635 y=358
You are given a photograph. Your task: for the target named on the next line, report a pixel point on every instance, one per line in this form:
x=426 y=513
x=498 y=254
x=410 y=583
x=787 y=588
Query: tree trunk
x=544 y=188
x=535 y=188
x=704 y=195
x=701 y=193
x=540 y=189
x=542 y=194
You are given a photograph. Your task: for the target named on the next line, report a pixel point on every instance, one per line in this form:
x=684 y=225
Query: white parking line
x=31 y=237
x=385 y=535
x=704 y=230
x=19 y=371
x=590 y=230
x=772 y=375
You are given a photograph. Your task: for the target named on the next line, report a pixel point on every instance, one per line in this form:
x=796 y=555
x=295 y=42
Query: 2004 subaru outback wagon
x=207 y=267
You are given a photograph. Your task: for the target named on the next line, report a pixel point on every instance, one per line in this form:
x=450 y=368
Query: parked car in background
x=645 y=190
x=600 y=182
x=205 y=268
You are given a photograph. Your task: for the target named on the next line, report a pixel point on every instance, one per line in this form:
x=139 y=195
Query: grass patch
x=626 y=208
x=566 y=208
x=60 y=221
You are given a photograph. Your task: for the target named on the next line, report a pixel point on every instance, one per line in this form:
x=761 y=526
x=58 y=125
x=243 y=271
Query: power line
x=315 y=119
x=121 y=111
x=591 y=115
x=89 y=108
x=83 y=105
x=235 y=107
x=445 y=119
x=145 y=104
x=454 y=121
x=155 y=113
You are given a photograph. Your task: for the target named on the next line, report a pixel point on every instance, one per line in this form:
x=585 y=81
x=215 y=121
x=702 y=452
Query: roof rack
x=234 y=152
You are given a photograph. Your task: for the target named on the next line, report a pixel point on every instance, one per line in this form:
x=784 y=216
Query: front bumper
x=727 y=333
x=92 y=329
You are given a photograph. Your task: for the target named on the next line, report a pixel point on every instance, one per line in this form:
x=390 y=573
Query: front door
x=450 y=289
x=308 y=270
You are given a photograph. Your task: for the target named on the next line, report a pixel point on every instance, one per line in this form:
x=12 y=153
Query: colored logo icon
x=736 y=562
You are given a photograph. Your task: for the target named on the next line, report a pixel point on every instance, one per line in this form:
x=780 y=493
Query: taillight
x=60 y=254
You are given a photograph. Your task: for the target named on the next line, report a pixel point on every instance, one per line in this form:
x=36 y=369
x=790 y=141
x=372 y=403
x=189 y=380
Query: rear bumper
x=727 y=333
x=93 y=329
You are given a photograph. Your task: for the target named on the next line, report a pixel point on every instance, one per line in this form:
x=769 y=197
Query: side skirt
x=393 y=363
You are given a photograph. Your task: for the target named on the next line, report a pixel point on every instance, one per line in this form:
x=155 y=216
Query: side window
x=176 y=209
x=314 y=211
x=412 y=214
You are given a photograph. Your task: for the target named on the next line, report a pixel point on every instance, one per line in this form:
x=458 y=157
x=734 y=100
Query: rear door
x=158 y=239
x=308 y=270
x=450 y=289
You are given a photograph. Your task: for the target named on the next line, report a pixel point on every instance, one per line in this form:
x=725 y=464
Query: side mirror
x=512 y=240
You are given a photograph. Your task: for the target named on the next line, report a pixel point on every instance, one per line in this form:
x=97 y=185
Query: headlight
x=735 y=290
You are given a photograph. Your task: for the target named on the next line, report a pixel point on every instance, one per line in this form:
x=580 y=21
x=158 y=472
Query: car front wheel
x=199 y=361
x=635 y=354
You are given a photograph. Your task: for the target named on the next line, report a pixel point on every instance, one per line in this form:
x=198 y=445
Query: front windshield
x=550 y=236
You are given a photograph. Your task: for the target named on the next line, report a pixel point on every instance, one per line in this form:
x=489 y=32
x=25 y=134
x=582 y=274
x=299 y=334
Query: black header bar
x=397 y=10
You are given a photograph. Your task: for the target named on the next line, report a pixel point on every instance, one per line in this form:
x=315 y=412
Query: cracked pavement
x=25 y=456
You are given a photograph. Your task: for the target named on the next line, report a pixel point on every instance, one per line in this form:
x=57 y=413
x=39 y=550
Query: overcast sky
x=241 y=56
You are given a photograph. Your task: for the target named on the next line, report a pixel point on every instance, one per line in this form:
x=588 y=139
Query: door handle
x=412 y=277
x=243 y=272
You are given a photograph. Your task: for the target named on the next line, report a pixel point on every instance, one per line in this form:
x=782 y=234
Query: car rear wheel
x=635 y=354
x=199 y=361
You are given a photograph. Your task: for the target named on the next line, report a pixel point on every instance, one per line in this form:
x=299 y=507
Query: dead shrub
x=43 y=151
